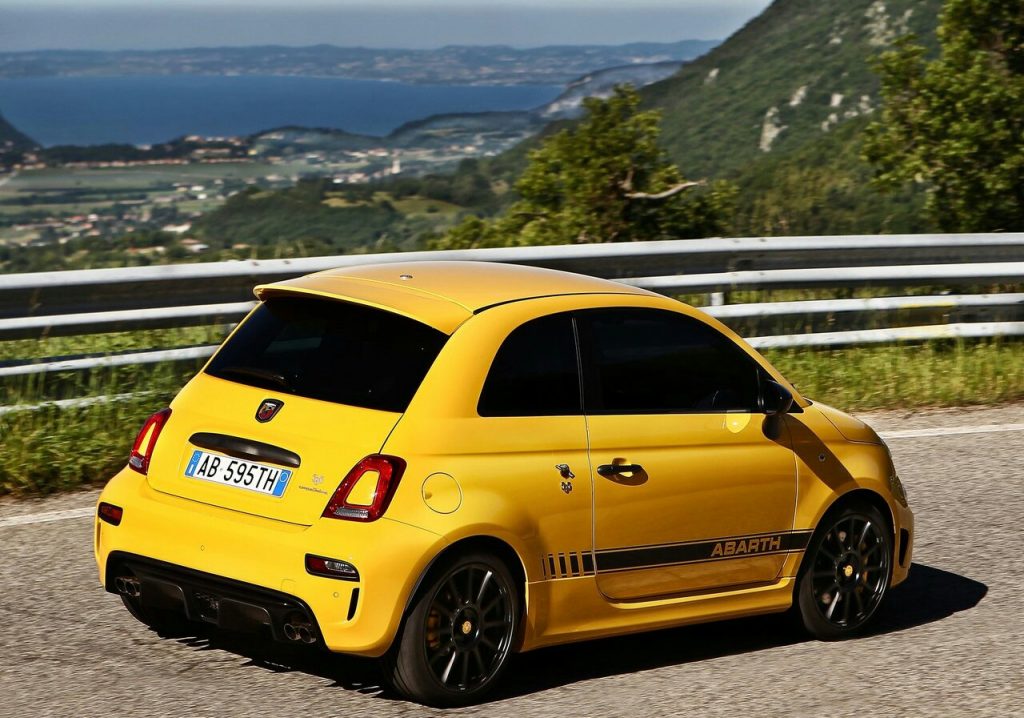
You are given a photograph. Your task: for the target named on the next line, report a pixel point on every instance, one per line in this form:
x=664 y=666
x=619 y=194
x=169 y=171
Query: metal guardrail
x=103 y=300
x=96 y=290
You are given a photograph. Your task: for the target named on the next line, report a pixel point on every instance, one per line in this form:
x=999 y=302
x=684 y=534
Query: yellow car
x=441 y=463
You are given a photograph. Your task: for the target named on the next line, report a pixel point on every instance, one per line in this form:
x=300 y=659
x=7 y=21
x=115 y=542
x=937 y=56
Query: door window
x=650 y=361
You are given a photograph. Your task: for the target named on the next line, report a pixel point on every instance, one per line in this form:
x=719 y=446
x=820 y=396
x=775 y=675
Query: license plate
x=249 y=475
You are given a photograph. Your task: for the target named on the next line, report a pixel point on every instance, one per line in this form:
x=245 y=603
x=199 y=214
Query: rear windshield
x=332 y=351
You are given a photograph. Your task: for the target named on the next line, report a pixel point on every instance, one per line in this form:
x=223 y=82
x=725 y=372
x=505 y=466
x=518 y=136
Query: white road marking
x=88 y=511
x=46 y=517
x=951 y=431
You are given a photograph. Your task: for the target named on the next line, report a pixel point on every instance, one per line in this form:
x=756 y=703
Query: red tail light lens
x=389 y=470
x=145 y=442
x=110 y=513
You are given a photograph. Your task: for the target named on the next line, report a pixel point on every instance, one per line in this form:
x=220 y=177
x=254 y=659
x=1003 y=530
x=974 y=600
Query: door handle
x=609 y=470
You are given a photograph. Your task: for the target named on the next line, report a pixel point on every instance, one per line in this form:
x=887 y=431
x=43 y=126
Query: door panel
x=708 y=483
x=706 y=499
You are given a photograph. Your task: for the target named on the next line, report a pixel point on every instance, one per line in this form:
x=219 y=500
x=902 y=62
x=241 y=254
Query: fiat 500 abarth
x=441 y=463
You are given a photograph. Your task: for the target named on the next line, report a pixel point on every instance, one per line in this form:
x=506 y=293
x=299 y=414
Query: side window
x=535 y=372
x=649 y=361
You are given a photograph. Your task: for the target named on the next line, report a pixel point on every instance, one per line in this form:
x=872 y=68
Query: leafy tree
x=604 y=180
x=956 y=123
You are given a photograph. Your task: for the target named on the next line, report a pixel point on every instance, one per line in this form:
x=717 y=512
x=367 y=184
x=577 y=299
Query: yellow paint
x=707 y=477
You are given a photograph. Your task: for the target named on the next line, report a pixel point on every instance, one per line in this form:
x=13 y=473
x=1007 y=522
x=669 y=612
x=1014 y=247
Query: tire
x=845 y=573
x=165 y=623
x=455 y=642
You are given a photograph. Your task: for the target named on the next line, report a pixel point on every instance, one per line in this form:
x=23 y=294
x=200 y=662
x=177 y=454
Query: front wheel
x=846 y=572
x=456 y=641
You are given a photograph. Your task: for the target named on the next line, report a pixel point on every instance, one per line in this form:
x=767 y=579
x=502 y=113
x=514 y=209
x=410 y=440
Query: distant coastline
x=150 y=109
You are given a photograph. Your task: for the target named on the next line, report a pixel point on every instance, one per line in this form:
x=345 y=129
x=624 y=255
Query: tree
x=603 y=180
x=956 y=123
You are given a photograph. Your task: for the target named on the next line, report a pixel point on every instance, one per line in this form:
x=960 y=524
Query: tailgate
x=316 y=441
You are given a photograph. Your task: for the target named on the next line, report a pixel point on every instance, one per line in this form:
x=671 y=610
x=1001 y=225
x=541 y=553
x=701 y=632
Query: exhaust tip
x=299 y=630
x=128 y=586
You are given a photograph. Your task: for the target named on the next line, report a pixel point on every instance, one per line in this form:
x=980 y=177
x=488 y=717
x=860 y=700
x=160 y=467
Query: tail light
x=110 y=513
x=145 y=442
x=371 y=500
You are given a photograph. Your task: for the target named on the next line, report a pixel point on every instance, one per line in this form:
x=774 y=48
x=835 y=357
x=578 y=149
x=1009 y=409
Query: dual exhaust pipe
x=299 y=631
x=128 y=586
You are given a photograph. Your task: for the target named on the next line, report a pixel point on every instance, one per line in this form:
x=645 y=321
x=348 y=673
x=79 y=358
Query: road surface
x=950 y=641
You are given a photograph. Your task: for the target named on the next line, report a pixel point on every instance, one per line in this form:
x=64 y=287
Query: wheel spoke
x=448 y=668
x=490 y=606
x=483 y=587
x=441 y=654
x=828 y=554
x=863 y=535
x=484 y=640
x=860 y=603
x=825 y=573
x=465 y=670
x=832 y=605
x=479 y=662
x=846 y=608
x=454 y=591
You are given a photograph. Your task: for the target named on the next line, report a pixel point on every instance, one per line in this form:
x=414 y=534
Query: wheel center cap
x=848 y=570
x=467 y=626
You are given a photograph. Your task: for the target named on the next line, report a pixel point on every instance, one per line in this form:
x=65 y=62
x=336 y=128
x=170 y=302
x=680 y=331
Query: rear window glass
x=332 y=351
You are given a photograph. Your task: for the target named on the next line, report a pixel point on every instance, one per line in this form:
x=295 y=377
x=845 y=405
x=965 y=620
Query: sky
x=156 y=24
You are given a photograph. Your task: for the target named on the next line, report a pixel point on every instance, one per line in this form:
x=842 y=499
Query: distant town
x=456 y=65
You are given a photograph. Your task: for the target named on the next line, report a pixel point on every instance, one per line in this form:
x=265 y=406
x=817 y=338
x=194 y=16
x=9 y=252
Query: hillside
x=12 y=139
x=782 y=102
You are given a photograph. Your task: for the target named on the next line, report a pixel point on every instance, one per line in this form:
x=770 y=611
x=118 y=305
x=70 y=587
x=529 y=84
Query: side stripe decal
x=625 y=559
x=582 y=563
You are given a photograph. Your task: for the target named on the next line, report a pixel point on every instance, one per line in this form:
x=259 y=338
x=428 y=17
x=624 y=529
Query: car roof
x=443 y=294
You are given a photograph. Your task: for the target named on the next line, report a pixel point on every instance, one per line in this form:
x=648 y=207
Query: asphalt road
x=950 y=641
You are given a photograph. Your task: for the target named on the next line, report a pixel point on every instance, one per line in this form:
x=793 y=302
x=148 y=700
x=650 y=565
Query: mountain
x=13 y=140
x=483 y=65
x=601 y=83
x=779 y=108
x=490 y=132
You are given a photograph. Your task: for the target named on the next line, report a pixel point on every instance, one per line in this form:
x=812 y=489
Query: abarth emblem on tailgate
x=268 y=410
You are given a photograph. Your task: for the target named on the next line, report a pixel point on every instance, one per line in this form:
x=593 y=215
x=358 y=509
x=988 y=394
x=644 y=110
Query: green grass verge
x=947 y=373
x=54 y=449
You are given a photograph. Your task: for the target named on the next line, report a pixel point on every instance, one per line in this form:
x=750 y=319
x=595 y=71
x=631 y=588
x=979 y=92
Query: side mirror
x=776 y=399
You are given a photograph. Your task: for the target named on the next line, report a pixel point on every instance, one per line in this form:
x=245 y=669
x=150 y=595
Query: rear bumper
x=241 y=571
x=206 y=598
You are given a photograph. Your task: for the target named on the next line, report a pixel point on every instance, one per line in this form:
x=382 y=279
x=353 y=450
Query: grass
x=55 y=449
x=946 y=373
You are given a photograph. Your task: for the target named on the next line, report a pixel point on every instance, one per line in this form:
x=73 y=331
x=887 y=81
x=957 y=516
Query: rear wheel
x=456 y=641
x=846 y=572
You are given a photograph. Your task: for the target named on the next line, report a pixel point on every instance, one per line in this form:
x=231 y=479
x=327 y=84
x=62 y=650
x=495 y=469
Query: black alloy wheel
x=846 y=572
x=457 y=639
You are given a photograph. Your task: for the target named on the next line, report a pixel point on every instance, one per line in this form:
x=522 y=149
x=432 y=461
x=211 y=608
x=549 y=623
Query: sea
x=147 y=110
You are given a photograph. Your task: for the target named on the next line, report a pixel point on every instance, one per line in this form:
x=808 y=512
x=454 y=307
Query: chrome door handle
x=609 y=470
